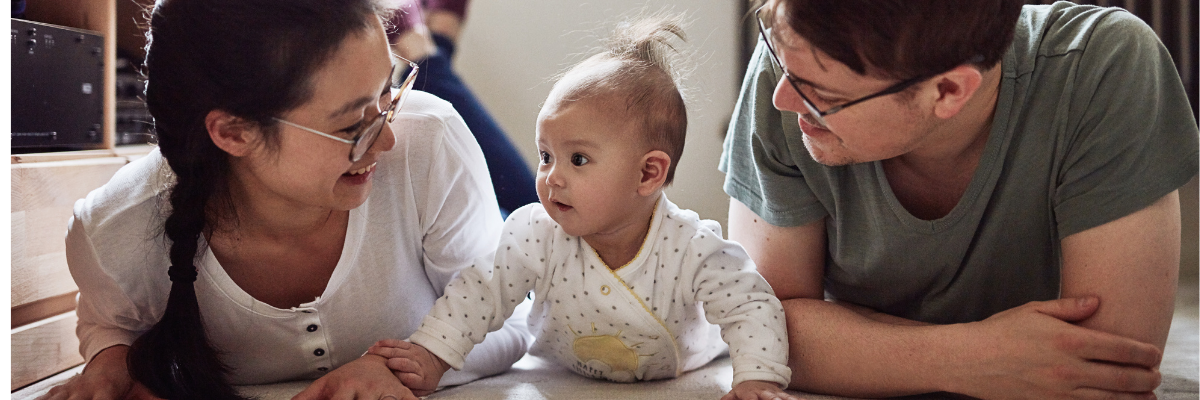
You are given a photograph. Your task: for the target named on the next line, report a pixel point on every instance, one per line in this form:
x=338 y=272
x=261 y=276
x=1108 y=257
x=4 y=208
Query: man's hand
x=1033 y=352
x=415 y=366
x=364 y=378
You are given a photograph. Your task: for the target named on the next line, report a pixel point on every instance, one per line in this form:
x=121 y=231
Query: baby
x=627 y=286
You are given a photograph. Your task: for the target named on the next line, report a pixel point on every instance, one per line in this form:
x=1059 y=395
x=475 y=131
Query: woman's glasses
x=365 y=136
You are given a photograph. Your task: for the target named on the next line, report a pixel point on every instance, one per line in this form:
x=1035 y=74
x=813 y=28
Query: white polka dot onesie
x=662 y=314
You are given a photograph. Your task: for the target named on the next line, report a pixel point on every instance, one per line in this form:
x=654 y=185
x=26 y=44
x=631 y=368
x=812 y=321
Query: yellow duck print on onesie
x=608 y=350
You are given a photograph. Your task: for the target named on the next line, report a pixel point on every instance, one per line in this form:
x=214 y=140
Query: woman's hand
x=364 y=378
x=105 y=378
x=1033 y=351
x=415 y=366
x=757 y=390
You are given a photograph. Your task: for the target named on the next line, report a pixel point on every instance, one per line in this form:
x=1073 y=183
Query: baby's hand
x=757 y=390
x=416 y=367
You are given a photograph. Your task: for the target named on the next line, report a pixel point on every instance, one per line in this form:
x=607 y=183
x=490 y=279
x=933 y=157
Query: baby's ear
x=655 y=165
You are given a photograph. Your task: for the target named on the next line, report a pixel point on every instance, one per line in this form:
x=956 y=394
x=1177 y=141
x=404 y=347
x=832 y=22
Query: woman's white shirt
x=430 y=212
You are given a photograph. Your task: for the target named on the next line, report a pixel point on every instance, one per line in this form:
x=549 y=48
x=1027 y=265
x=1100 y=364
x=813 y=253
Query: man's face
x=877 y=129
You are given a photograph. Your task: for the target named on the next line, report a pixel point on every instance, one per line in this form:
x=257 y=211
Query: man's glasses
x=365 y=136
x=815 y=116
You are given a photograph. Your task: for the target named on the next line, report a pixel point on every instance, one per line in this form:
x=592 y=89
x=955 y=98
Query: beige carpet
x=535 y=379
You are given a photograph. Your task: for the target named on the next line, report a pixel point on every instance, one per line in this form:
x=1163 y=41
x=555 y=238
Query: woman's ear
x=655 y=165
x=230 y=133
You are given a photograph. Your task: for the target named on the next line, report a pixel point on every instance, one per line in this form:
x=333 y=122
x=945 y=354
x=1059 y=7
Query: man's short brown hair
x=904 y=39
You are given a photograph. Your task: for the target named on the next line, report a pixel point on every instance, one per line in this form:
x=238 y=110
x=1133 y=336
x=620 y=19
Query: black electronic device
x=57 y=87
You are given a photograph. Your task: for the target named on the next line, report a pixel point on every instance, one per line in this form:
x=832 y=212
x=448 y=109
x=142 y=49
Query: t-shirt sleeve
x=759 y=168
x=460 y=217
x=107 y=314
x=1135 y=138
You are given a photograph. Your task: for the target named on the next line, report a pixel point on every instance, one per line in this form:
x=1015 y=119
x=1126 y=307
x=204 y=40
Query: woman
x=298 y=227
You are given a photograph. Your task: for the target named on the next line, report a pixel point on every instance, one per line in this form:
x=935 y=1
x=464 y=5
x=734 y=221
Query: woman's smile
x=359 y=176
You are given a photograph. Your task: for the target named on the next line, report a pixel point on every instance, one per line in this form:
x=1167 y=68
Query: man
x=985 y=193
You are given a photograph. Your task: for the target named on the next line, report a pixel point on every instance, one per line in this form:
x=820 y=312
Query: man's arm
x=1029 y=351
x=1132 y=265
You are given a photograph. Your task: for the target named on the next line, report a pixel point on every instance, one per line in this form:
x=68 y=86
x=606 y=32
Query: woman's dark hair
x=903 y=39
x=253 y=59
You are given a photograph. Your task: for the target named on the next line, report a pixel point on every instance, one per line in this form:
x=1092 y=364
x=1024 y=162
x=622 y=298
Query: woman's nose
x=386 y=140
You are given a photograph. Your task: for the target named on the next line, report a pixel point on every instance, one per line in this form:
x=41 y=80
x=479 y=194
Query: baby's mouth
x=561 y=206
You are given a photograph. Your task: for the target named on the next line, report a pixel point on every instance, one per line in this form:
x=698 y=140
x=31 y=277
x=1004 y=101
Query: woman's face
x=308 y=171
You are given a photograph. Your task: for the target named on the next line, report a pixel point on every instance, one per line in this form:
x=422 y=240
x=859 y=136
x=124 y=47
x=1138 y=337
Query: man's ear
x=655 y=165
x=955 y=88
x=233 y=134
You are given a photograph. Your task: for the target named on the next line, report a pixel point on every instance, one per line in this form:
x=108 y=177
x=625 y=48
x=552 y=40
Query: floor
x=533 y=378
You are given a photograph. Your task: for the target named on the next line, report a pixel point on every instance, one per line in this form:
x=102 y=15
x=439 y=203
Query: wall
x=509 y=51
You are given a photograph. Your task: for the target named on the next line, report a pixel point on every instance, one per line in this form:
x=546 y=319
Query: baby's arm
x=755 y=390
x=739 y=300
x=417 y=368
x=475 y=303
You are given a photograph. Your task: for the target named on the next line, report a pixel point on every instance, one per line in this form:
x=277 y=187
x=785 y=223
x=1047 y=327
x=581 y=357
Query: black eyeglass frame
x=817 y=114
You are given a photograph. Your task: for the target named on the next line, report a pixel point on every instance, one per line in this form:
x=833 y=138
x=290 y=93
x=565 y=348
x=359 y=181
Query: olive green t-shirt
x=1091 y=124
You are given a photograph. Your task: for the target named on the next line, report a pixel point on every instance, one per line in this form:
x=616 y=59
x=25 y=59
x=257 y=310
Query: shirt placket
x=313 y=341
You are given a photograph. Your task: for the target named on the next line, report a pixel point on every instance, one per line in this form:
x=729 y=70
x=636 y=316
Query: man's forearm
x=835 y=349
x=877 y=316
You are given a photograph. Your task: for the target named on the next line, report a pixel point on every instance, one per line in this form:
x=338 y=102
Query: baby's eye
x=545 y=157
x=578 y=159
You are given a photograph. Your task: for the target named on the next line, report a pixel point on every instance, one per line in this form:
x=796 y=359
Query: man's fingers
x=1098 y=394
x=1121 y=378
x=1101 y=346
x=1069 y=309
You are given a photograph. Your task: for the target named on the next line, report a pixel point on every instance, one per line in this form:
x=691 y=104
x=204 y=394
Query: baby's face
x=590 y=167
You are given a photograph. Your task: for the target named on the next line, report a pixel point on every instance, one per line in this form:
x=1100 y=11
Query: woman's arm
x=1030 y=351
x=364 y=378
x=105 y=377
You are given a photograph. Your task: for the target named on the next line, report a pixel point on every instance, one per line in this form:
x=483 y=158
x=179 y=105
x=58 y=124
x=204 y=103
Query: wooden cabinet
x=45 y=187
x=44 y=190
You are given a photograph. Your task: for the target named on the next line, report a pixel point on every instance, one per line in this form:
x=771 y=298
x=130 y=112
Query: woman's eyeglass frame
x=816 y=114
x=365 y=136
